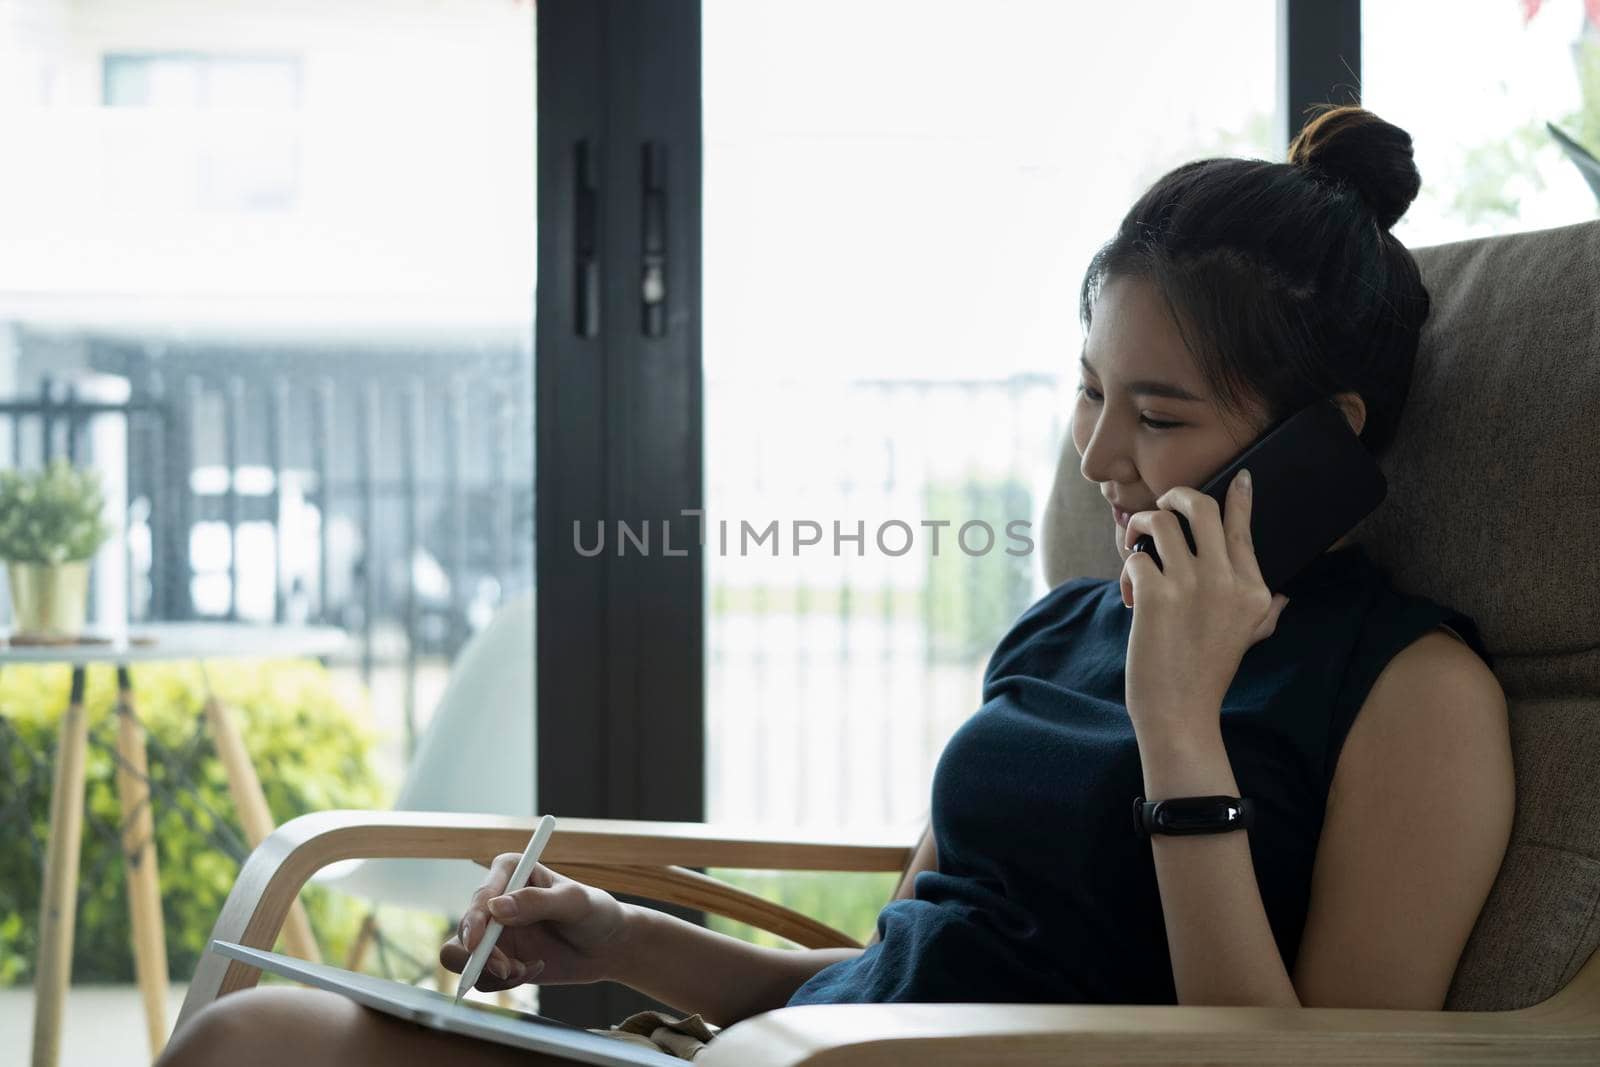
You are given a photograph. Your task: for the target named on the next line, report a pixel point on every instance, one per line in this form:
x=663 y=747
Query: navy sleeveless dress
x=1043 y=892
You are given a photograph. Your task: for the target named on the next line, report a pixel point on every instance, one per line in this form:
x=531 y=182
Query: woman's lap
x=314 y=1028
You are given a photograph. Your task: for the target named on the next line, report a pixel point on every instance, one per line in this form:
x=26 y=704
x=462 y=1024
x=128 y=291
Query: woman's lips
x=1122 y=516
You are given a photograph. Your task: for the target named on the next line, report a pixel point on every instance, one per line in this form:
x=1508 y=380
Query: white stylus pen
x=519 y=878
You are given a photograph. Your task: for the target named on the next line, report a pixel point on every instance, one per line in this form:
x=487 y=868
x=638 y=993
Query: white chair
x=476 y=755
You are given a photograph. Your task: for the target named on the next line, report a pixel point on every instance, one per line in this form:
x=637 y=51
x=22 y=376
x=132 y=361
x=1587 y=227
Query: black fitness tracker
x=1192 y=815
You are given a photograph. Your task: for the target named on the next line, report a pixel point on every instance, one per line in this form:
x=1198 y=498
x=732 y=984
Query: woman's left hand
x=1194 y=621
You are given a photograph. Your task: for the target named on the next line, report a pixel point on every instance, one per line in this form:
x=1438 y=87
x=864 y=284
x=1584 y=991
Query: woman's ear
x=1354 y=408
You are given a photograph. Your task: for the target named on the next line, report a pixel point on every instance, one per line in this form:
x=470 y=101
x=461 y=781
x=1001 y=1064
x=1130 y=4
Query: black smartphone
x=1313 y=481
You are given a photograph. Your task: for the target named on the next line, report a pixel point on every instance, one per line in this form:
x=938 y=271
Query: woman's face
x=1143 y=420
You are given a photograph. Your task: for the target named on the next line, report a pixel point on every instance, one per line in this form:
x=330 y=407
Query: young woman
x=1365 y=725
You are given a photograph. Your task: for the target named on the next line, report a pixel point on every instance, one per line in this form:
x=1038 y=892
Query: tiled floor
x=103 y=1027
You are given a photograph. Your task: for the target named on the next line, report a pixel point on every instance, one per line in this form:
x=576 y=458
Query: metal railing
x=389 y=495
x=833 y=682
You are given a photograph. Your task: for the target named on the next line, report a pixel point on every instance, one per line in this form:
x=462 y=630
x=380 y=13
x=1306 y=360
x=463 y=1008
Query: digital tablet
x=435 y=1010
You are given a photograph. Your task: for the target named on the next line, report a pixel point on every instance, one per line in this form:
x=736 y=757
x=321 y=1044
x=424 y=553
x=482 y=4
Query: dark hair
x=1283 y=278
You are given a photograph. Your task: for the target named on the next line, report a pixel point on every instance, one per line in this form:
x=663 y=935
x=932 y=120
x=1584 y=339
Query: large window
x=269 y=269
x=319 y=264
x=900 y=201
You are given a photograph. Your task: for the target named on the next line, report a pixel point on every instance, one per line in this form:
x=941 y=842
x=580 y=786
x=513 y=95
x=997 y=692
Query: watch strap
x=1181 y=816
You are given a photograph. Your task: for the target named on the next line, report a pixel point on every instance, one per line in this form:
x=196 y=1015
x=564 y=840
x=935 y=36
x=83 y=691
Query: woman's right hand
x=556 y=930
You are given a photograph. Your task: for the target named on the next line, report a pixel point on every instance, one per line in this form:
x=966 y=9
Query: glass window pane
x=1477 y=110
x=269 y=269
x=900 y=202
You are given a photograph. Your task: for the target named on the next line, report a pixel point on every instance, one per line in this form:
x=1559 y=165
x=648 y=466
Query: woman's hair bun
x=1353 y=146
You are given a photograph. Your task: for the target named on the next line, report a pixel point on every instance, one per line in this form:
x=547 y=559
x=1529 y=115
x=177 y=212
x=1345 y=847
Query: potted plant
x=51 y=525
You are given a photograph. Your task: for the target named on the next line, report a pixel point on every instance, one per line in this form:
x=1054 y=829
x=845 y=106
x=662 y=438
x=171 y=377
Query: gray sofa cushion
x=1494 y=509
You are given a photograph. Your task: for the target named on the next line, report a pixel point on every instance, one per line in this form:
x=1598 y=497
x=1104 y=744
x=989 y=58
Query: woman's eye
x=1154 y=424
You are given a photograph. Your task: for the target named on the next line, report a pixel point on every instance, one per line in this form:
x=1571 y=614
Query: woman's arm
x=694 y=969
x=724 y=978
x=561 y=931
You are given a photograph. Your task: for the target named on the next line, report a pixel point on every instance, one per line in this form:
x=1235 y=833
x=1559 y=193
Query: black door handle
x=653 y=216
x=586 y=266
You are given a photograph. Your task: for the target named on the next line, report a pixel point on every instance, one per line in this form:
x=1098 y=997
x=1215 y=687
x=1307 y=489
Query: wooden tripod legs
x=58 y=903
x=58 y=900
x=139 y=864
x=254 y=815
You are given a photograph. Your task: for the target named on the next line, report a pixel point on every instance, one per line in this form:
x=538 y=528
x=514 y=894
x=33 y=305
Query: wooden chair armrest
x=275 y=871
x=1034 y=1035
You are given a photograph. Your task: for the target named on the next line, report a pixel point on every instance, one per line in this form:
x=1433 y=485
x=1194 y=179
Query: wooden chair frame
x=650 y=859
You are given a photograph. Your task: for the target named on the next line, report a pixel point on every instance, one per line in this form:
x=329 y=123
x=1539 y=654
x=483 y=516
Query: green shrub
x=974 y=599
x=310 y=751
x=847 y=901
